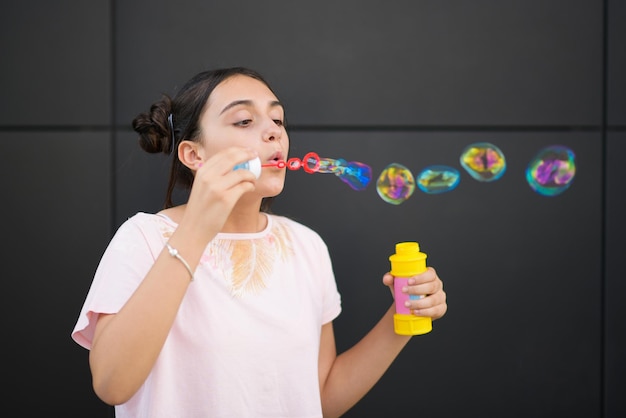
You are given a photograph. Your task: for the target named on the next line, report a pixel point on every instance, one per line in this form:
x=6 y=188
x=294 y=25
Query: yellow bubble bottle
x=405 y=263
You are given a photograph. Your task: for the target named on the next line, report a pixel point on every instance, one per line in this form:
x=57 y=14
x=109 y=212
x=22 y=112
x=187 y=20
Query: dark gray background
x=535 y=284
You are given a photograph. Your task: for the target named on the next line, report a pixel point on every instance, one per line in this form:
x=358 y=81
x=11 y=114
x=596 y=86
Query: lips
x=277 y=156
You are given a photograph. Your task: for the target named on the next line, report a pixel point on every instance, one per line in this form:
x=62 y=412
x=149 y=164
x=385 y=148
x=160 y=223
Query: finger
x=388 y=279
x=221 y=176
x=236 y=155
x=427 y=276
x=423 y=301
x=225 y=190
x=225 y=160
x=434 y=312
x=429 y=288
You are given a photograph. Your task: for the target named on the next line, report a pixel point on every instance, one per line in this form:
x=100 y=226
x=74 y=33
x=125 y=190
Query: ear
x=190 y=154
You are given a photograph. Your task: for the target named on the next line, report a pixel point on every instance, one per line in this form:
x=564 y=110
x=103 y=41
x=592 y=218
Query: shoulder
x=147 y=225
x=149 y=220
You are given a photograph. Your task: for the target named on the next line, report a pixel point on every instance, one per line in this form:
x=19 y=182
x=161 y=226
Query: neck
x=242 y=219
x=245 y=223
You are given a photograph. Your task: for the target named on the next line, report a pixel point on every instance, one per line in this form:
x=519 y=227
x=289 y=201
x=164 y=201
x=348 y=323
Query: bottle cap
x=408 y=260
x=254 y=165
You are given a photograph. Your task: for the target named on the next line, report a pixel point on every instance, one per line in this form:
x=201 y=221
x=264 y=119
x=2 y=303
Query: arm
x=353 y=373
x=126 y=345
x=346 y=378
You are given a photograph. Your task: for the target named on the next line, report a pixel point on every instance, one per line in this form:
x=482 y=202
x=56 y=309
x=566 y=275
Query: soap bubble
x=438 y=179
x=355 y=174
x=552 y=170
x=395 y=184
x=483 y=161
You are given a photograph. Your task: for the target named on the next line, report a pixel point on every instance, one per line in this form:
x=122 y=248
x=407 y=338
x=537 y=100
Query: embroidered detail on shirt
x=247 y=264
x=166 y=230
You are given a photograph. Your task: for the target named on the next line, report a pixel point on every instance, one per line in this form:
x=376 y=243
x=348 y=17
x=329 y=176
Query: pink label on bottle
x=400 y=297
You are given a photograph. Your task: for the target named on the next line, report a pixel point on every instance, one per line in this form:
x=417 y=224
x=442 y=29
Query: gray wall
x=535 y=321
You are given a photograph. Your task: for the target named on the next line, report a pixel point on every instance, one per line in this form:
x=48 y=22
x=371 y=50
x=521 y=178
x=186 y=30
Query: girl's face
x=242 y=111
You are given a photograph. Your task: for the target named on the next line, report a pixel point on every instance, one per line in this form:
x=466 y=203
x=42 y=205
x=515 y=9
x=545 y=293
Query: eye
x=244 y=122
x=279 y=122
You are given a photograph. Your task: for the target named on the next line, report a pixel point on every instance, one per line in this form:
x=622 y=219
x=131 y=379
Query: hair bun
x=153 y=127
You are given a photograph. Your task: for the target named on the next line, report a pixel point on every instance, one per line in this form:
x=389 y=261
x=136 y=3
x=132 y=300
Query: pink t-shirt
x=246 y=339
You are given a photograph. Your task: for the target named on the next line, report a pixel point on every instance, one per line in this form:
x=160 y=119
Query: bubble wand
x=357 y=175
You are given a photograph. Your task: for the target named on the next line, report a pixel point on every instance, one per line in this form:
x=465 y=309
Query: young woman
x=216 y=307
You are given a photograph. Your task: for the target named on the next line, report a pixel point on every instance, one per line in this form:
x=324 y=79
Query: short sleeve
x=124 y=264
x=332 y=297
x=316 y=257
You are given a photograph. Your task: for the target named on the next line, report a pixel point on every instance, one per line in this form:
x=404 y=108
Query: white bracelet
x=174 y=253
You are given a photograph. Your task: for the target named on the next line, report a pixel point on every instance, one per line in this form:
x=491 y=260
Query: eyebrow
x=273 y=103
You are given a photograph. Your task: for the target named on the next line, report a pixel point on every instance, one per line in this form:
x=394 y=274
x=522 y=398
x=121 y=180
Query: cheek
x=286 y=143
x=210 y=145
x=219 y=141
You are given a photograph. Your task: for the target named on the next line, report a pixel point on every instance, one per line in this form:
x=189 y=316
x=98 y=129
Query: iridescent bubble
x=552 y=170
x=395 y=184
x=355 y=174
x=438 y=179
x=483 y=161
x=330 y=165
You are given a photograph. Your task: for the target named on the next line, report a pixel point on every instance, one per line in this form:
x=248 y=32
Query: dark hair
x=156 y=134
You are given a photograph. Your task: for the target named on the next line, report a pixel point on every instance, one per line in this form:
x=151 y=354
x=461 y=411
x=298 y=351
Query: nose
x=272 y=132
